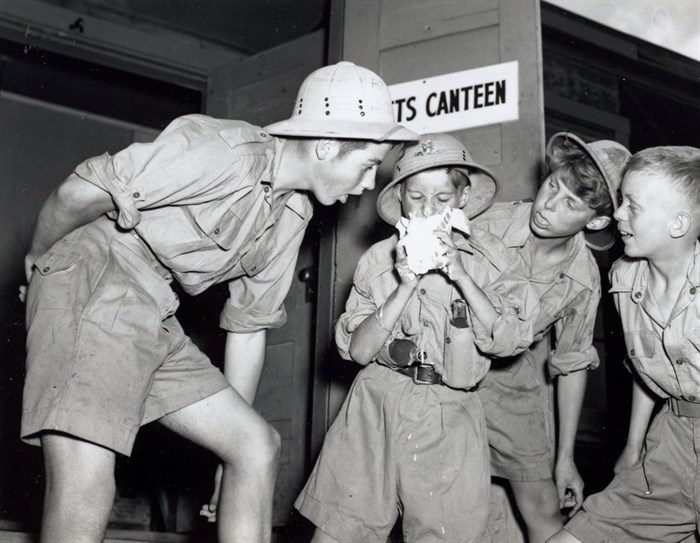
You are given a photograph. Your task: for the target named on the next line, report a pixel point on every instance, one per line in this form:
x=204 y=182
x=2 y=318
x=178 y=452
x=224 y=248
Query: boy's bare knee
x=260 y=450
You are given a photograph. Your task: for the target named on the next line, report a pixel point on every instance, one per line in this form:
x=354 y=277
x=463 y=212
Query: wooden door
x=262 y=89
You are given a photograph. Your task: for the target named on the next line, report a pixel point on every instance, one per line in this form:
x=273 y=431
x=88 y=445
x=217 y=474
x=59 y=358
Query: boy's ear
x=327 y=149
x=464 y=198
x=598 y=223
x=681 y=225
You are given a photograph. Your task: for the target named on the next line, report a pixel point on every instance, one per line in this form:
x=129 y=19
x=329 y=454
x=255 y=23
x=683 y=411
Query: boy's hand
x=29 y=261
x=407 y=277
x=628 y=458
x=569 y=486
x=453 y=267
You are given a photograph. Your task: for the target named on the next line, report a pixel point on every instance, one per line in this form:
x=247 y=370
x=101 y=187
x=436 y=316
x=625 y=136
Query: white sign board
x=458 y=100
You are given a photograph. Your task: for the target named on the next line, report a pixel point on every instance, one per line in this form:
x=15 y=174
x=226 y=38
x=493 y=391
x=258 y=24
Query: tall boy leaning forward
x=550 y=239
x=210 y=200
x=655 y=493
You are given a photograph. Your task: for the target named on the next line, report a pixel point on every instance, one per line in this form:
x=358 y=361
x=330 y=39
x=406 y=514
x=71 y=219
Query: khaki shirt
x=568 y=294
x=200 y=196
x=459 y=354
x=665 y=353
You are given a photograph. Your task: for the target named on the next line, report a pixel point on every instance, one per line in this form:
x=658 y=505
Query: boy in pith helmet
x=549 y=241
x=410 y=439
x=210 y=200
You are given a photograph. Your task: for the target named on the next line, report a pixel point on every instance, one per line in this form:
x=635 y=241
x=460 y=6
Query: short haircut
x=348 y=146
x=581 y=176
x=679 y=164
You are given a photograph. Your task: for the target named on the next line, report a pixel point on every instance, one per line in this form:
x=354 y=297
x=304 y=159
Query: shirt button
x=680 y=361
x=253 y=268
x=691 y=398
x=426 y=323
x=422 y=291
x=448 y=340
x=561 y=276
x=136 y=195
x=693 y=290
x=47 y=268
x=637 y=295
x=631 y=352
x=266 y=189
x=217 y=230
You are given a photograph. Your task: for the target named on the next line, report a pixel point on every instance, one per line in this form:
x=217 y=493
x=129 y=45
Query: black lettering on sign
x=429 y=111
x=500 y=91
x=411 y=107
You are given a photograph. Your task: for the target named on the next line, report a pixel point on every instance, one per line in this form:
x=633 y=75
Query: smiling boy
x=654 y=496
x=548 y=240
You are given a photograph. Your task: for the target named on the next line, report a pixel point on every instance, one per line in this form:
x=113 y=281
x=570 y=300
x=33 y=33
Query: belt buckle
x=423 y=374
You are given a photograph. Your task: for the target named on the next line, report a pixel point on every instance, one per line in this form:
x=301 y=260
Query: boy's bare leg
x=79 y=490
x=562 y=536
x=322 y=537
x=538 y=503
x=249 y=448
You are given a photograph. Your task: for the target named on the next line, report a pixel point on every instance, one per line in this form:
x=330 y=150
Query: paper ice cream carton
x=424 y=252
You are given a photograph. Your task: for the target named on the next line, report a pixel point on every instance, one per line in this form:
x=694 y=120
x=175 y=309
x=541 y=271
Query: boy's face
x=429 y=193
x=337 y=177
x=649 y=207
x=558 y=213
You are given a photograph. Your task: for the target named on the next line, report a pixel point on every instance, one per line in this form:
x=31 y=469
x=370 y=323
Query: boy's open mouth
x=624 y=233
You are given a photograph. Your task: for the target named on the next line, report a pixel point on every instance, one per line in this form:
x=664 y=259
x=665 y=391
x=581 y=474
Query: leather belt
x=681 y=408
x=422 y=374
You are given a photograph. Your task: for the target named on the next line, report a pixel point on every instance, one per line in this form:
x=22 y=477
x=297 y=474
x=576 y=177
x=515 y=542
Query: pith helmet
x=436 y=151
x=610 y=158
x=343 y=101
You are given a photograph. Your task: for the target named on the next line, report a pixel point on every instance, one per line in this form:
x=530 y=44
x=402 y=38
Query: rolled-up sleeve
x=188 y=163
x=516 y=303
x=358 y=307
x=257 y=302
x=573 y=334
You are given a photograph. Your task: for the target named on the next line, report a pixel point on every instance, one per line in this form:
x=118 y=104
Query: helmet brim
x=341 y=130
x=484 y=188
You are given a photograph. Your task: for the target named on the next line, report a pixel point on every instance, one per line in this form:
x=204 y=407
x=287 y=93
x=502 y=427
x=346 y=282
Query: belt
x=422 y=374
x=681 y=408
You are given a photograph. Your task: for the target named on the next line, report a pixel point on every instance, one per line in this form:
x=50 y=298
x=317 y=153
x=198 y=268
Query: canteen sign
x=458 y=100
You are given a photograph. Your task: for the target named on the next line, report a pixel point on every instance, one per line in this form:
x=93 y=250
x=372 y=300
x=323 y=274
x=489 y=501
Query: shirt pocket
x=54 y=283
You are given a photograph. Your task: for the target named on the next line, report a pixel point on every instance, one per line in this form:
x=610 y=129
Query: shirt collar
x=637 y=281
x=297 y=202
x=577 y=265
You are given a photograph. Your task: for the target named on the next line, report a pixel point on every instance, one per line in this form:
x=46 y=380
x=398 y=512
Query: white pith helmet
x=438 y=151
x=343 y=101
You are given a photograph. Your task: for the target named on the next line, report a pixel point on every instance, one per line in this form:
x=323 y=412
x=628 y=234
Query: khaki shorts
x=516 y=398
x=397 y=447
x=654 y=501
x=104 y=353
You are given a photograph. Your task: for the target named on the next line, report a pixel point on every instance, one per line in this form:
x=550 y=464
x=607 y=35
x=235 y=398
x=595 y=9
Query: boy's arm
x=369 y=337
x=74 y=203
x=643 y=403
x=244 y=357
x=570 y=391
